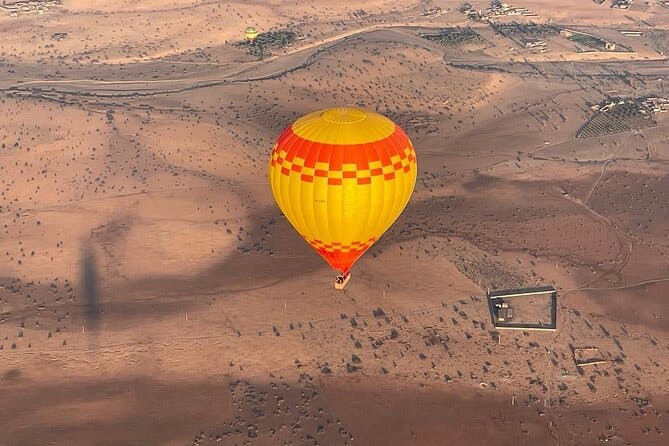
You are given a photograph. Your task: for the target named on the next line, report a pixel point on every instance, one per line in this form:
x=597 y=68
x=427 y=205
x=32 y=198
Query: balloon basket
x=342 y=280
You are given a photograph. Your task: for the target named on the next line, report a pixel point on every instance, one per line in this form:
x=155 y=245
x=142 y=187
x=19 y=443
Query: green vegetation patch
x=530 y=29
x=262 y=44
x=588 y=40
x=454 y=36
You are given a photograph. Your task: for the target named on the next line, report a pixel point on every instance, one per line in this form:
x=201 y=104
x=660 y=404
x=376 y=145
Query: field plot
x=589 y=42
x=531 y=29
x=618 y=116
x=454 y=36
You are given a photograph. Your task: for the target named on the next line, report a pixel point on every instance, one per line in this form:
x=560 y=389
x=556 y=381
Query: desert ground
x=152 y=293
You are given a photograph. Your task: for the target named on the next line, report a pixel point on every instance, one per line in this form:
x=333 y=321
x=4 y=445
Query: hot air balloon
x=341 y=177
x=250 y=33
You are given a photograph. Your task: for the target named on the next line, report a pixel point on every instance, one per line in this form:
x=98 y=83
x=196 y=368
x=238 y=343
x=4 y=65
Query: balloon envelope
x=250 y=33
x=341 y=177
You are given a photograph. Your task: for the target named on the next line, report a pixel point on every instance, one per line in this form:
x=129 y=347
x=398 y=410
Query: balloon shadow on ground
x=90 y=289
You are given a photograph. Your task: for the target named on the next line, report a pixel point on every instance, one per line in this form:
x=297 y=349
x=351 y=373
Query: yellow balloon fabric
x=341 y=177
x=250 y=33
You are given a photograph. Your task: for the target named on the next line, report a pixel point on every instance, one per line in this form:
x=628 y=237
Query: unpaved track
x=292 y=59
x=272 y=67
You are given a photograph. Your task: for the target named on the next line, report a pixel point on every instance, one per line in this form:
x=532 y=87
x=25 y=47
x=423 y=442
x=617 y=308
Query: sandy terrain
x=152 y=293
